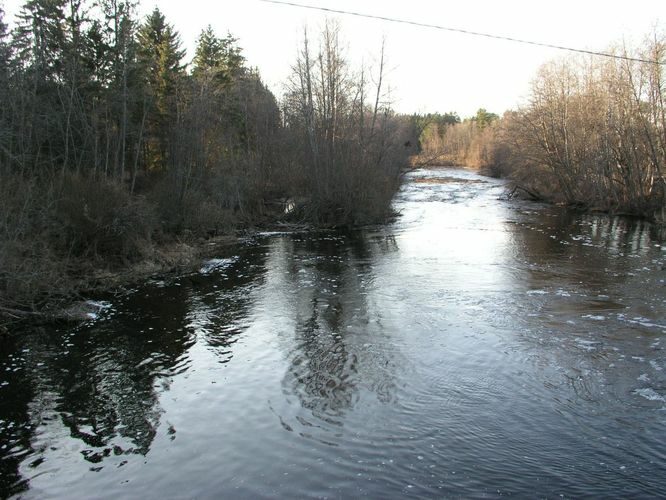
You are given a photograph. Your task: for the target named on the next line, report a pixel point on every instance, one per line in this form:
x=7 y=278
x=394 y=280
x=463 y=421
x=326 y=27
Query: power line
x=463 y=31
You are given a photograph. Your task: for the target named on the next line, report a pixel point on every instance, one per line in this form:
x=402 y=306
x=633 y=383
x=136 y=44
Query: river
x=477 y=346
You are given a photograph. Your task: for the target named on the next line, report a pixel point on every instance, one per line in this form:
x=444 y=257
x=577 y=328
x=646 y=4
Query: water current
x=477 y=346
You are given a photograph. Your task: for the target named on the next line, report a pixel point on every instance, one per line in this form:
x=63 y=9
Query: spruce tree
x=4 y=93
x=217 y=60
x=160 y=55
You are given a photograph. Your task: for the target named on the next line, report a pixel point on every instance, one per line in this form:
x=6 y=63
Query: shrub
x=99 y=218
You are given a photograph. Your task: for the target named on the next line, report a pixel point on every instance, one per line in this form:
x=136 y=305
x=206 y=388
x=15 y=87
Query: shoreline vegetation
x=591 y=136
x=120 y=160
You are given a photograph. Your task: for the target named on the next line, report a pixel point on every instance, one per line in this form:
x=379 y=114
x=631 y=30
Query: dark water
x=477 y=347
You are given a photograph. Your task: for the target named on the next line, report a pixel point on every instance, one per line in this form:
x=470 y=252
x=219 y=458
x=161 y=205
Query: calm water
x=476 y=347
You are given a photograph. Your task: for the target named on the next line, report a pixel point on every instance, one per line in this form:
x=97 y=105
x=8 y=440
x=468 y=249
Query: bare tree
x=353 y=149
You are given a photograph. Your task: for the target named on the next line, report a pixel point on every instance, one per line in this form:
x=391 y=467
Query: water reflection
x=94 y=387
x=219 y=304
x=333 y=362
x=585 y=265
x=15 y=427
x=93 y=392
x=478 y=345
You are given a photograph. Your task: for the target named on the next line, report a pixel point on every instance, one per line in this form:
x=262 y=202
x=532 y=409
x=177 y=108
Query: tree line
x=592 y=134
x=446 y=140
x=112 y=143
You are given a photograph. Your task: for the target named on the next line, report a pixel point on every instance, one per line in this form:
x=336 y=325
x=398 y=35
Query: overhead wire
x=463 y=31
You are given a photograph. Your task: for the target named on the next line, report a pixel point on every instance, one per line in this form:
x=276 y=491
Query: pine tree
x=208 y=55
x=5 y=54
x=160 y=54
x=4 y=47
x=39 y=37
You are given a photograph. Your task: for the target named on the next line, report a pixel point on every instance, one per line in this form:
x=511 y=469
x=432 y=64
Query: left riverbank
x=66 y=298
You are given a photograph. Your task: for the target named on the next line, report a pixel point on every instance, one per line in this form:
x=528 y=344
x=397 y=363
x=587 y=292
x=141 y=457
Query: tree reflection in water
x=219 y=306
x=93 y=392
x=96 y=384
x=333 y=362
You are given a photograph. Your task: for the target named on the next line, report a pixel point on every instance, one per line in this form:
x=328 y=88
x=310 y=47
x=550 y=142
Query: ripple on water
x=474 y=347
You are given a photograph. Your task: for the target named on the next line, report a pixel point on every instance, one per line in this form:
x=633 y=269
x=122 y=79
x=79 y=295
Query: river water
x=475 y=347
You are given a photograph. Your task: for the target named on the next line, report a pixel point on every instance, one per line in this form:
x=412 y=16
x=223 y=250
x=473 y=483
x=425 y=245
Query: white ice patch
x=537 y=292
x=641 y=321
x=644 y=378
x=102 y=305
x=214 y=265
x=96 y=307
x=655 y=365
x=588 y=345
x=650 y=394
x=594 y=317
x=145 y=362
x=275 y=233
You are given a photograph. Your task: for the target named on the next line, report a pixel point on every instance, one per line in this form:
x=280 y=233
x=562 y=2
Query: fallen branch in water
x=76 y=312
x=19 y=313
x=535 y=196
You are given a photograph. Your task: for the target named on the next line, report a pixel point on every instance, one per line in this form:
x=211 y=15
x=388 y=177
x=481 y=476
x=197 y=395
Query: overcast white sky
x=430 y=70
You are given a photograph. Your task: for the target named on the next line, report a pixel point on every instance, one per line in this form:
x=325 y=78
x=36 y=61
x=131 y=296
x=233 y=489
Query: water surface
x=476 y=347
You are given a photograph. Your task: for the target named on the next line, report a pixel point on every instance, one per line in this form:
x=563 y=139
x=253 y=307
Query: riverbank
x=535 y=189
x=476 y=344
x=69 y=297
x=88 y=278
x=94 y=237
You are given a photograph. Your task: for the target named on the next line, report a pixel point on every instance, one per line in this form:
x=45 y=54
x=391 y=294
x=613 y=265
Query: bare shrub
x=99 y=218
x=597 y=127
x=349 y=143
x=30 y=269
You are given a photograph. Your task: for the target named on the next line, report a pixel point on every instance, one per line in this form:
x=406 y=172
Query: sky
x=427 y=70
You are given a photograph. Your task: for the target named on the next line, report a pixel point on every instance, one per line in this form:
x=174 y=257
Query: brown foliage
x=593 y=135
x=98 y=218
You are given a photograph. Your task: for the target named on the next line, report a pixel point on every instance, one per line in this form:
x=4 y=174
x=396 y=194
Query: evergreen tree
x=208 y=54
x=118 y=67
x=4 y=92
x=39 y=58
x=39 y=37
x=483 y=118
x=4 y=47
x=5 y=56
x=160 y=55
x=217 y=60
x=118 y=32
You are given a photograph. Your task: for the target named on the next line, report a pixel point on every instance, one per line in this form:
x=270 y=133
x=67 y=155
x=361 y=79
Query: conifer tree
x=49 y=37
x=4 y=92
x=4 y=47
x=119 y=70
x=160 y=55
x=217 y=60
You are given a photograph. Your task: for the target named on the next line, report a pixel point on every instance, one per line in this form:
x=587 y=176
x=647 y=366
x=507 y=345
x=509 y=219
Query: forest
x=113 y=146
x=117 y=152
